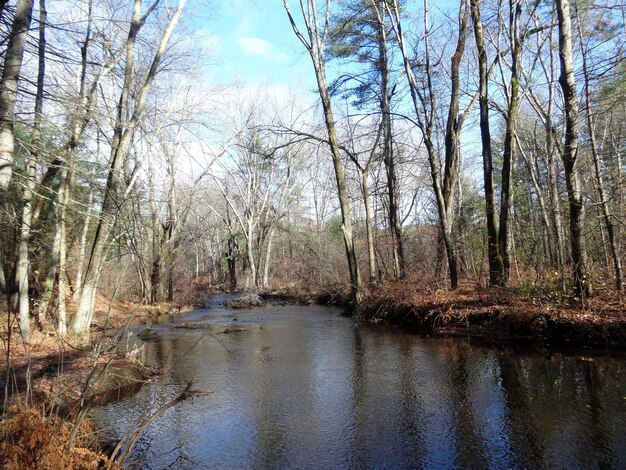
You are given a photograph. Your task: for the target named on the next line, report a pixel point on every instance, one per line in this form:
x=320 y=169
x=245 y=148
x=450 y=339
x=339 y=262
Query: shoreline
x=499 y=316
x=63 y=375
x=496 y=316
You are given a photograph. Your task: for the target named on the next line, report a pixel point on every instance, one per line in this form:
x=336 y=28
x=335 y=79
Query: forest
x=449 y=153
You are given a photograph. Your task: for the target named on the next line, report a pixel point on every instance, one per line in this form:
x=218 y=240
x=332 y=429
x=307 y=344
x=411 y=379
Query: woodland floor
x=540 y=316
x=65 y=375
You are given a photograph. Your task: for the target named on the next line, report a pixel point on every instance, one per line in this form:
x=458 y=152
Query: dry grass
x=62 y=373
x=32 y=439
x=536 y=314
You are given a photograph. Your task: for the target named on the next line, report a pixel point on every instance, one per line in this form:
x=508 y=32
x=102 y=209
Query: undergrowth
x=36 y=438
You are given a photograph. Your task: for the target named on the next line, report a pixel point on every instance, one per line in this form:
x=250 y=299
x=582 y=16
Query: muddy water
x=303 y=387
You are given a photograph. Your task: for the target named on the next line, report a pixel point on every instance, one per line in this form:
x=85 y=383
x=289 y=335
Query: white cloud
x=261 y=48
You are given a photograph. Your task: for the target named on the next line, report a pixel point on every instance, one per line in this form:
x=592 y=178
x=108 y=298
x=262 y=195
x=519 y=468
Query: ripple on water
x=302 y=387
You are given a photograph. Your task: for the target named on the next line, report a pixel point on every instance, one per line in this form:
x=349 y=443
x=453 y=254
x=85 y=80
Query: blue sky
x=254 y=43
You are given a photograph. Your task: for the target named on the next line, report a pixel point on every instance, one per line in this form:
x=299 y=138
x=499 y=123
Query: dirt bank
x=499 y=315
x=66 y=378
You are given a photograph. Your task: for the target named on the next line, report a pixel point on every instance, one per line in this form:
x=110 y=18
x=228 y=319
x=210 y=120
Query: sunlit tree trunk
x=23 y=259
x=425 y=106
x=11 y=70
x=371 y=254
x=515 y=12
x=64 y=199
x=388 y=157
x=571 y=163
x=123 y=132
x=268 y=257
x=80 y=262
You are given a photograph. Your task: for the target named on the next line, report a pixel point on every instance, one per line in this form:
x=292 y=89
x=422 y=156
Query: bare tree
x=11 y=71
x=496 y=263
x=123 y=133
x=597 y=164
x=314 y=43
x=424 y=103
x=571 y=162
x=23 y=261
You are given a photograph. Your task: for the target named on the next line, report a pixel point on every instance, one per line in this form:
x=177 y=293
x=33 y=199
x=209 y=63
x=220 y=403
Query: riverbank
x=67 y=375
x=499 y=315
x=66 y=378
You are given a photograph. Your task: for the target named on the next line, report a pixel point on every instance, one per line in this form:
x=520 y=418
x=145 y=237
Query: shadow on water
x=303 y=387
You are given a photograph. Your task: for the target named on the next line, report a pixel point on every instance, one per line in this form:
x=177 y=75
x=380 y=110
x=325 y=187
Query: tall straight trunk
x=252 y=265
x=604 y=203
x=23 y=262
x=53 y=267
x=344 y=202
x=571 y=162
x=231 y=260
x=424 y=104
x=123 y=133
x=80 y=262
x=388 y=156
x=268 y=257
x=64 y=199
x=315 y=47
x=454 y=125
x=23 y=258
x=170 y=279
x=371 y=254
x=496 y=264
x=11 y=71
x=515 y=12
x=155 y=273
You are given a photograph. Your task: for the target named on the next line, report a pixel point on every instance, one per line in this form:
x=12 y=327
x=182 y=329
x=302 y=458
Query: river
x=303 y=387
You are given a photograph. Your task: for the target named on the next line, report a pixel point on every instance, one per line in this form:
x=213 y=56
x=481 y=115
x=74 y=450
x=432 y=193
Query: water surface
x=303 y=387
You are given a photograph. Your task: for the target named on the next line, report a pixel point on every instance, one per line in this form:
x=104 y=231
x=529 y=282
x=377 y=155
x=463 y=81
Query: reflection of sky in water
x=302 y=387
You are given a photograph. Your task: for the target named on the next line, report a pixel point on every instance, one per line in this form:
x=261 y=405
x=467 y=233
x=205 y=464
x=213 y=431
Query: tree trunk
x=389 y=160
x=11 y=70
x=604 y=203
x=424 y=104
x=509 y=143
x=268 y=254
x=80 y=262
x=155 y=275
x=571 y=163
x=454 y=125
x=53 y=267
x=496 y=264
x=23 y=262
x=371 y=254
x=121 y=140
x=231 y=260
x=64 y=199
x=316 y=51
